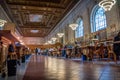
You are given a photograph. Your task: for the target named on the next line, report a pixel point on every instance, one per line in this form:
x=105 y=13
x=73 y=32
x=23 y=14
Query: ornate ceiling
x=41 y=15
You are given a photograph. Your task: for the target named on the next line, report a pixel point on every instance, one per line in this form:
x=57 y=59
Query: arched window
x=98 y=19
x=79 y=31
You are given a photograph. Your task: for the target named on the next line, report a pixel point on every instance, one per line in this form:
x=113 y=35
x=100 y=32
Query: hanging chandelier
x=73 y=26
x=2 y=22
x=54 y=39
x=46 y=43
x=107 y=4
x=22 y=43
x=60 y=34
x=50 y=42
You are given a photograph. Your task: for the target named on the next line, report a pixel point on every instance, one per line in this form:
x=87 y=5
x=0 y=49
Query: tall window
x=79 y=31
x=98 y=19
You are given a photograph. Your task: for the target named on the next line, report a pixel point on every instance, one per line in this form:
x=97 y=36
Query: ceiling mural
x=40 y=15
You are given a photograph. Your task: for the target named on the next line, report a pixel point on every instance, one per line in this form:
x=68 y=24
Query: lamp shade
x=2 y=22
x=60 y=34
x=107 y=4
x=50 y=42
x=54 y=39
x=73 y=26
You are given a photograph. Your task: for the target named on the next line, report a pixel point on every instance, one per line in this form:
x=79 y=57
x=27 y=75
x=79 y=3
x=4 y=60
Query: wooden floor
x=50 y=68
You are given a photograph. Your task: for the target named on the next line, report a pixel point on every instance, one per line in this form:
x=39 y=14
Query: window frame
x=80 y=27
x=93 y=20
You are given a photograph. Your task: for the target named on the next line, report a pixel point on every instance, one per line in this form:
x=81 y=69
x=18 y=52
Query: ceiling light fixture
x=107 y=4
x=54 y=39
x=60 y=34
x=50 y=42
x=22 y=43
x=73 y=26
x=46 y=43
x=2 y=22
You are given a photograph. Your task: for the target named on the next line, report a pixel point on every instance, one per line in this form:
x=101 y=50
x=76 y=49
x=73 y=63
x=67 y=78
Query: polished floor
x=50 y=68
x=53 y=68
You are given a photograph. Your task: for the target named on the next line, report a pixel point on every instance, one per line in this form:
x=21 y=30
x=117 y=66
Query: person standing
x=36 y=51
x=39 y=51
x=116 y=46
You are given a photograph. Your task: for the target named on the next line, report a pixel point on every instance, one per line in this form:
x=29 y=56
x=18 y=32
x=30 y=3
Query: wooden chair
x=111 y=53
x=99 y=51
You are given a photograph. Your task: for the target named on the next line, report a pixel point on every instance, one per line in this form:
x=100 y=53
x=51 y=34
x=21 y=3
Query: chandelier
x=22 y=43
x=50 y=42
x=54 y=39
x=73 y=26
x=46 y=43
x=107 y=4
x=2 y=22
x=60 y=34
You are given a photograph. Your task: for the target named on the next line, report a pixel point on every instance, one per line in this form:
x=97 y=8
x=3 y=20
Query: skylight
x=34 y=31
x=35 y=18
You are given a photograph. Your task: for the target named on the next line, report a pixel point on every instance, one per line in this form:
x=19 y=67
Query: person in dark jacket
x=116 y=46
x=36 y=51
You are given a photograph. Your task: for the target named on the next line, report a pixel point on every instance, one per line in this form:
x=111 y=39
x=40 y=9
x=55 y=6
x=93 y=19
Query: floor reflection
x=49 y=68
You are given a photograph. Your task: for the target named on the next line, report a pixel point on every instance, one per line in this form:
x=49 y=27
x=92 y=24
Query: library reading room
x=59 y=39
